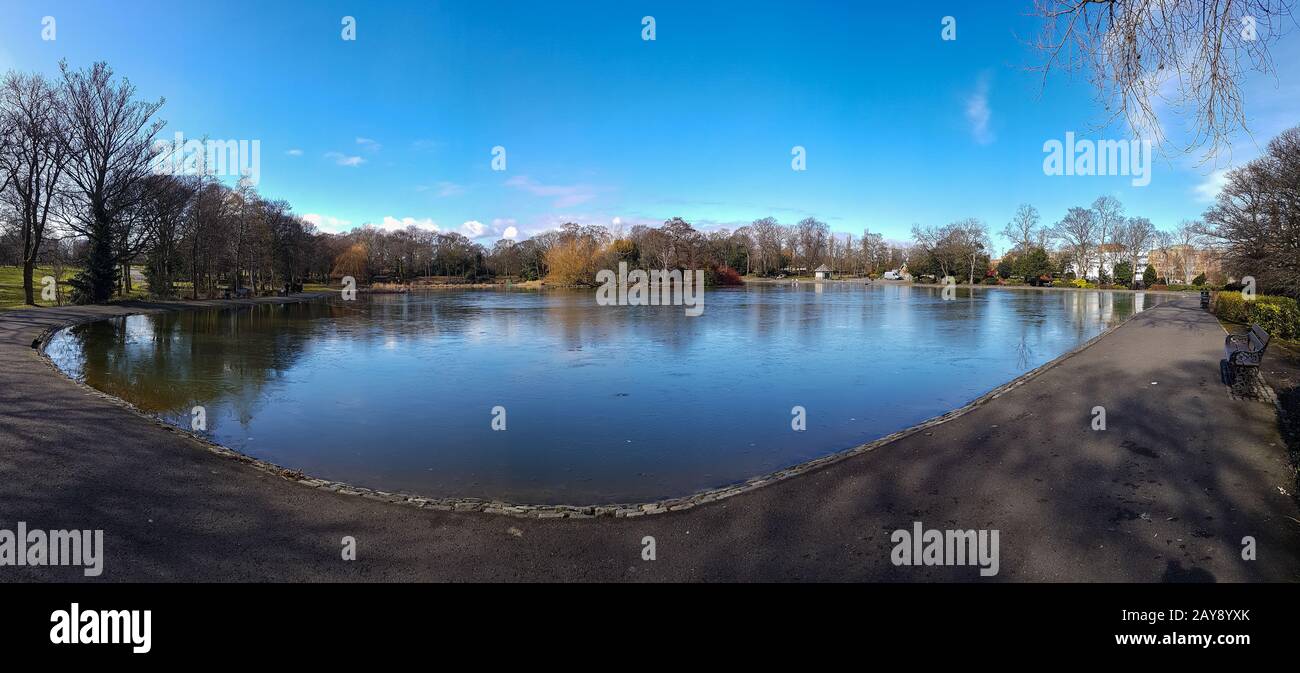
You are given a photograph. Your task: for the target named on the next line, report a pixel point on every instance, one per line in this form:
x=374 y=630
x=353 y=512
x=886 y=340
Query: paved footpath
x=1166 y=493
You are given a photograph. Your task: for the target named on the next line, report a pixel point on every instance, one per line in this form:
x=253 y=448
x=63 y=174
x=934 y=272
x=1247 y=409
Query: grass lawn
x=11 y=285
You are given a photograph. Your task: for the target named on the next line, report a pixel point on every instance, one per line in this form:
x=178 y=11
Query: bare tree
x=971 y=237
x=1109 y=216
x=930 y=241
x=6 y=137
x=33 y=162
x=1136 y=236
x=767 y=234
x=874 y=251
x=1163 y=242
x=1136 y=51
x=812 y=236
x=1256 y=217
x=109 y=143
x=1188 y=237
x=954 y=246
x=165 y=211
x=1078 y=230
x=1023 y=230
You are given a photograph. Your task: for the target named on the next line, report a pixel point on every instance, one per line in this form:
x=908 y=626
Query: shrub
x=1035 y=263
x=991 y=281
x=573 y=262
x=1279 y=316
x=1280 y=319
x=725 y=275
x=1124 y=273
x=1199 y=280
x=1149 y=276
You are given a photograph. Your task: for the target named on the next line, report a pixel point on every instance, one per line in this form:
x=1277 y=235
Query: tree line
x=573 y=253
x=79 y=184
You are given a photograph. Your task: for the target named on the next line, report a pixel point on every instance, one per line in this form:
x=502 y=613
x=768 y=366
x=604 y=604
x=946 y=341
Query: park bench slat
x=1246 y=350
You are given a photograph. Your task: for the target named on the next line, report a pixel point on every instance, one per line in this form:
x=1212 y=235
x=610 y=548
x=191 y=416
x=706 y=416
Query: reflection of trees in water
x=168 y=362
x=575 y=321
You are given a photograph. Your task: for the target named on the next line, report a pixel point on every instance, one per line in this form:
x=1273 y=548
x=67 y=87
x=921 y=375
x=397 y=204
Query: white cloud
x=344 y=160
x=327 y=222
x=446 y=189
x=978 y=112
x=391 y=223
x=295 y=152
x=566 y=196
x=473 y=228
x=1210 y=187
x=369 y=144
x=504 y=227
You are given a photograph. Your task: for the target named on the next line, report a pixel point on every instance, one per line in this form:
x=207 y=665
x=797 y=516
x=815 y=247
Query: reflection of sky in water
x=603 y=403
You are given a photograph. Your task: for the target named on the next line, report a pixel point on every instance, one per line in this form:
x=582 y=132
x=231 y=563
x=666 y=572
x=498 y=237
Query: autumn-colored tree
x=573 y=261
x=351 y=263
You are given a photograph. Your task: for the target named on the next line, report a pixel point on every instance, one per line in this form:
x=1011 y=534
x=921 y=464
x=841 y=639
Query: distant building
x=1178 y=264
x=822 y=272
x=1113 y=254
x=1183 y=263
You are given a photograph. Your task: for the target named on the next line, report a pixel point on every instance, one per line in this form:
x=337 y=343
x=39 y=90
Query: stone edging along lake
x=495 y=506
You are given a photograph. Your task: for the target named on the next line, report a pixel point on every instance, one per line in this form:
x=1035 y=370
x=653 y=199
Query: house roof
x=822 y=268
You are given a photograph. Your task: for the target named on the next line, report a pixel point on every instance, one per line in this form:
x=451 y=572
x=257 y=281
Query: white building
x=1112 y=257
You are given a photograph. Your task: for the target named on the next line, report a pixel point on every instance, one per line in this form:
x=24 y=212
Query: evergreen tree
x=96 y=282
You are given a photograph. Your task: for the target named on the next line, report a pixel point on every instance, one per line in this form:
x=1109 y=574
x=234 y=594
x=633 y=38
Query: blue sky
x=602 y=127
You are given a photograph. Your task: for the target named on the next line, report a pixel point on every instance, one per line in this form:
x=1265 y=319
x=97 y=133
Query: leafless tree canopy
x=1078 y=232
x=1024 y=230
x=955 y=247
x=1136 y=237
x=1189 y=54
x=1256 y=219
x=109 y=142
x=32 y=159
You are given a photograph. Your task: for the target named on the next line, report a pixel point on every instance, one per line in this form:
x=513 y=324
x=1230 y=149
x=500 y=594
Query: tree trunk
x=29 y=292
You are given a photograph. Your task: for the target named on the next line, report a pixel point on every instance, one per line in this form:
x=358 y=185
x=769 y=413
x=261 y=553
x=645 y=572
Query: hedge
x=1279 y=316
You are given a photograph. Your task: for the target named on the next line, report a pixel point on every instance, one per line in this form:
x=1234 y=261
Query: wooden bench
x=1246 y=350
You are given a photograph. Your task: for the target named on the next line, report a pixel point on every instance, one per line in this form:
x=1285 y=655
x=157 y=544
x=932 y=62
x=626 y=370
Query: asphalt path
x=1167 y=492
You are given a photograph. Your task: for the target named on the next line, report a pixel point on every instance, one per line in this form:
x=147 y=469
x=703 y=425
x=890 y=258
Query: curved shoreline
x=500 y=507
x=1165 y=493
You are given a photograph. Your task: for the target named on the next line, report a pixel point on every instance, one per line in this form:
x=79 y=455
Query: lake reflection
x=603 y=403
